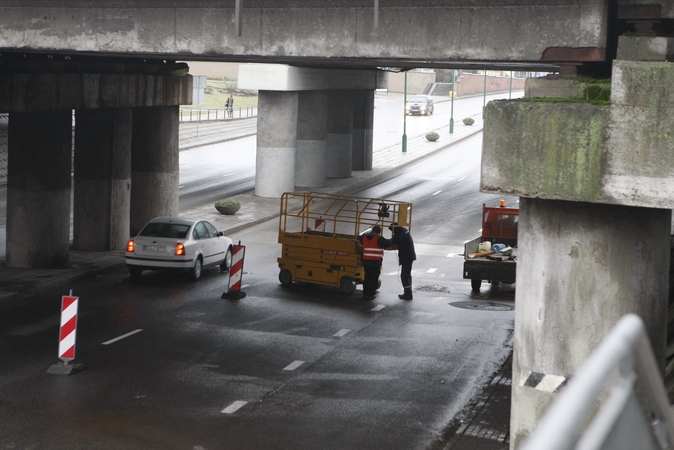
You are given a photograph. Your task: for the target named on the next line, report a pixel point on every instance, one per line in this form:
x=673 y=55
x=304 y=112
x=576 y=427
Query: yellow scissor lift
x=319 y=233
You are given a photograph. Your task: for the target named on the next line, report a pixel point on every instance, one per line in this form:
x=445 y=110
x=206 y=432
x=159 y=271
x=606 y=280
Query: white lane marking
x=436 y=192
x=293 y=365
x=234 y=407
x=461 y=179
x=452 y=255
x=392 y=273
x=378 y=308
x=121 y=337
x=431 y=270
x=229 y=174
x=244 y=286
x=341 y=332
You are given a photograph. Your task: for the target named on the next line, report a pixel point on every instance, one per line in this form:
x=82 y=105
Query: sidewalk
x=486 y=426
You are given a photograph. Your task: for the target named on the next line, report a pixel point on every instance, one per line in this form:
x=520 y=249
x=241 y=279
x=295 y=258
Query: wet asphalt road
x=299 y=367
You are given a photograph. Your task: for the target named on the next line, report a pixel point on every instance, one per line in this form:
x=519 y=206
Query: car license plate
x=154 y=248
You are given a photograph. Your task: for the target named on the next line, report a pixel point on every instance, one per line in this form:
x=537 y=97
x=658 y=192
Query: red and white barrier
x=236 y=273
x=67 y=336
x=68 y=333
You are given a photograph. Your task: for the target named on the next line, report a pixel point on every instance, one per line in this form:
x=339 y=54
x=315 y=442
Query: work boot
x=407 y=295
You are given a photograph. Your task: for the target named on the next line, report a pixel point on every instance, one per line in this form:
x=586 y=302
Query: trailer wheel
x=285 y=277
x=475 y=284
x=347 y=285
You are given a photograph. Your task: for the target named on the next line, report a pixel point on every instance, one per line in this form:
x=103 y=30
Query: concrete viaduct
x=595 y=181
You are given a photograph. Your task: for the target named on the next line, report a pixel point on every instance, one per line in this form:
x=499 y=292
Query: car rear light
x=130 y=247
x=180 y=249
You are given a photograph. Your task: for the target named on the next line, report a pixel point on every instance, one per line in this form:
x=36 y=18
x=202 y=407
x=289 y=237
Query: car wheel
x=227 y=262
x=195 y=274
x=135 y=272
x=285 y=277
x=347 y=285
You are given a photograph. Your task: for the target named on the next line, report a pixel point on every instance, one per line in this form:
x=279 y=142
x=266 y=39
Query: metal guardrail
x=616 y=401
x=202 y=115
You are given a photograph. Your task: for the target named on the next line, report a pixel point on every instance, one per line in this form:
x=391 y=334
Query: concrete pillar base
x=580 y=268
x=154 y=165
x=38 y=189
x=363 y=124
x=276 y=143
x=274 y=171
x=312 y=121
x=102 y=197
x=340 y=134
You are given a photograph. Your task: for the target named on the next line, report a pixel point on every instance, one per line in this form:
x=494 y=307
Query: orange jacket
x=371 y=249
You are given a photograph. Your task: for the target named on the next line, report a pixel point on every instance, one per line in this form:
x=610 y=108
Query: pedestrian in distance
x=403 y=242
x=373 y=253
x=230 y=105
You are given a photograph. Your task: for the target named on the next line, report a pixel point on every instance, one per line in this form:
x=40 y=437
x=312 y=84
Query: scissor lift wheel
x=285 y=277
x=347 y=285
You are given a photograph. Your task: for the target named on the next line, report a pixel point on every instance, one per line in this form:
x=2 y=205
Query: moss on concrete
x=545 y=150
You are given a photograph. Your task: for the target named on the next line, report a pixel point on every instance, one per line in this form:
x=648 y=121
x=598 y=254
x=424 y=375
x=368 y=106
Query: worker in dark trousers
x=373 y=253
x=403 y=242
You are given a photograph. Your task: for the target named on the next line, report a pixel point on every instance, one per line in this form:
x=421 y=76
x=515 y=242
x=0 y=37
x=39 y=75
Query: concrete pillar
x=580 y=268
x=102 y=187
x=340 y=133
x=276 y=143
x=312 y=133
x=38 y=189
x=363 y=124
x=154 y=165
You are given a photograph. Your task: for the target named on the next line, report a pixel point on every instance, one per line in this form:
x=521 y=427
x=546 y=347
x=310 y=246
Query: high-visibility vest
x=371 y=251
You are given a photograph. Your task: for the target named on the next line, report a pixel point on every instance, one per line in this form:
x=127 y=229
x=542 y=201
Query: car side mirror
x=220 y=233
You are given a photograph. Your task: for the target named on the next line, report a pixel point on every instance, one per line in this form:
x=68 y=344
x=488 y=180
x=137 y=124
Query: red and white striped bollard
x=67 y=336
x=234 y=291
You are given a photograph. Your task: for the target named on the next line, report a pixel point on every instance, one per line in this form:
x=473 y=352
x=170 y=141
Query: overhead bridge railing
x=616 y=401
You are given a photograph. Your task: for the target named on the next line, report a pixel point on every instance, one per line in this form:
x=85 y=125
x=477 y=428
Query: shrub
x=228 y=202
x=432 y=136
x=468 y=121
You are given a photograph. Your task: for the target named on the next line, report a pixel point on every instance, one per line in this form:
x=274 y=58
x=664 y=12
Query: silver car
x=178 y=243
x=420 y=104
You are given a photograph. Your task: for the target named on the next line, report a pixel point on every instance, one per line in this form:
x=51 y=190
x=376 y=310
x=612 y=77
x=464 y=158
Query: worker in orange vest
x=373 y=253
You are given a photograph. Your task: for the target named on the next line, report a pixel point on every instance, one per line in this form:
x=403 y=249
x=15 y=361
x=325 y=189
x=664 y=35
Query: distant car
x=420 y=104
x=178 y=243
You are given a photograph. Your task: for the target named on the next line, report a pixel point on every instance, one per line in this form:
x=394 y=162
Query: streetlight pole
x=484 y=101
x=405 y=116
x=451 y=117
x=510 y=92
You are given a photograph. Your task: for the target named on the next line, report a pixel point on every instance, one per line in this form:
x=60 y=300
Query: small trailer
x=319 y=234
x=499 y=226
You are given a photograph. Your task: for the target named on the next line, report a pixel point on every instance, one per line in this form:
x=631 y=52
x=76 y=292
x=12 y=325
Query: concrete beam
x=618 y=154
x=58 y=91
x=423 y=30
x=280 y=77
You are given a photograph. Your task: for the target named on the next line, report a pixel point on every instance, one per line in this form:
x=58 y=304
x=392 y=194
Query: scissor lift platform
x=320 y=236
